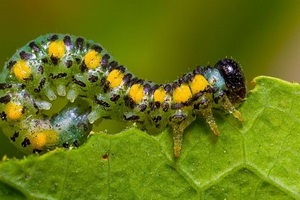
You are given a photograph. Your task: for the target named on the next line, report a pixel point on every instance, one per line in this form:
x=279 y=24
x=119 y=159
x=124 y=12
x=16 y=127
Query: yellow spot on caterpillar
x=44 y=138
x=136 y=92
x=92 y=59
x=198 y=84
x=182 y=94
x=159 y=95
x=21 y=70
x=115 y=78
x=13 y=110
x=57 y=49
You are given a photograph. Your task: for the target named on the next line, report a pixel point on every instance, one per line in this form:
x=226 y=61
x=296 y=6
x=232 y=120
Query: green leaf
x=258 y=159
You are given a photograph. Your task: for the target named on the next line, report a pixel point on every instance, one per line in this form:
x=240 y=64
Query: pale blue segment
x=215 y=79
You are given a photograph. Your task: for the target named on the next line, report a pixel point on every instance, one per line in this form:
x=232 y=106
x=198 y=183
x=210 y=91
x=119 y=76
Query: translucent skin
x=98 y=87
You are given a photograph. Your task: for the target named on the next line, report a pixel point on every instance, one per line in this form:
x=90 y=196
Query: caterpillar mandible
x=98 y=87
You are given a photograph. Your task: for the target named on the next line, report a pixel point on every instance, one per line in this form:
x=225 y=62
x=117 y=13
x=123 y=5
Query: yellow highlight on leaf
x=92 y=59
x=136 y=92
x=198 y=84
x=115 y=78
x=159 y=95
x=57 y=49
x=13 y=110
x=44 y=138
x=182 y=94
x=21 y=70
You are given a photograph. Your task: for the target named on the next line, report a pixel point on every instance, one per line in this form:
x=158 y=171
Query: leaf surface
x=258 y=159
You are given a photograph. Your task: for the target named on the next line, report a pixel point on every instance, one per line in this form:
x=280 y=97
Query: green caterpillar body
x=98 y=87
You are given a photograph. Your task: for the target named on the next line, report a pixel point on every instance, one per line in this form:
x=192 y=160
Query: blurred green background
x=160 y=40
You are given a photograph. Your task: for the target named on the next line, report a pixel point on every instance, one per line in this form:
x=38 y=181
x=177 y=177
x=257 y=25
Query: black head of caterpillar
x=234 y=80
x=84 y=73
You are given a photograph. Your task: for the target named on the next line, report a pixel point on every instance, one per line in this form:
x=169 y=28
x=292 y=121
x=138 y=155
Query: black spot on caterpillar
x=97 y=87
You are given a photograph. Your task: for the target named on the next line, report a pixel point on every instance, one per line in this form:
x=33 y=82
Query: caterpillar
x=98 y=87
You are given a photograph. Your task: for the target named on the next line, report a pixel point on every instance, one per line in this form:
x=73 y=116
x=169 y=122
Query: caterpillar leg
x=227 y=105
x=97 y=114
x=205 y=108
x=179 y=122
x=210 y=120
